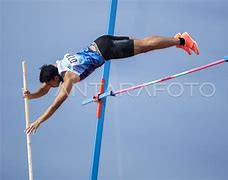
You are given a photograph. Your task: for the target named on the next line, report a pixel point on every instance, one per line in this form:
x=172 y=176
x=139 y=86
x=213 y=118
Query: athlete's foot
x=190 y=43
x=185 y=48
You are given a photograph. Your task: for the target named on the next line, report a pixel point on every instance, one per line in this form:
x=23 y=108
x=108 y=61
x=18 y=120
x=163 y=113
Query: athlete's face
x=54 y=82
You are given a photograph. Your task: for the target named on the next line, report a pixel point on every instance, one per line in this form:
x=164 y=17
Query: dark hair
x=48 y=72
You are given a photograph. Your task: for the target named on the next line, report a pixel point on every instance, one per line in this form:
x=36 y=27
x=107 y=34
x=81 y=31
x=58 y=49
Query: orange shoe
x=188 y=50
x=190 y=43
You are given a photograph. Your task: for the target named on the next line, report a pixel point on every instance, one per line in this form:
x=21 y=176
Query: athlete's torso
x=82 y=63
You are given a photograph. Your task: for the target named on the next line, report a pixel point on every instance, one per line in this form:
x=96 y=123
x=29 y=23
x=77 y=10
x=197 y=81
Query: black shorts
x=115 y=47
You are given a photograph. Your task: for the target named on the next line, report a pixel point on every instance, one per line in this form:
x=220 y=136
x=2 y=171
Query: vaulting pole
x=102 y=103
x=29 y=148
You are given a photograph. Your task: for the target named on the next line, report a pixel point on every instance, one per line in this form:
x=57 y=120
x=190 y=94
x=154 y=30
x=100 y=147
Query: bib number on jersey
x=72 y=59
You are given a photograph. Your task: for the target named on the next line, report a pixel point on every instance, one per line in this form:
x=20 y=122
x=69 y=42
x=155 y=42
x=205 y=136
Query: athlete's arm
x=43 y=89
x=61 y=97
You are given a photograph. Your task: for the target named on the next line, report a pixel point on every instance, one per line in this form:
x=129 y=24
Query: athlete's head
x=50 y=75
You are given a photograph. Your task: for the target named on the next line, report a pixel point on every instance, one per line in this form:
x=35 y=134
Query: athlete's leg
x=115 y=47
x=184 y=41
x=154 y=42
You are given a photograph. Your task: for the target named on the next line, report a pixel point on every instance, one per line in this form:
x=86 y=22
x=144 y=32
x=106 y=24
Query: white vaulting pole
x=29 y=149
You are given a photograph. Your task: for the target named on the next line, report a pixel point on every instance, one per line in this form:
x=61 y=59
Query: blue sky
x=175 y=133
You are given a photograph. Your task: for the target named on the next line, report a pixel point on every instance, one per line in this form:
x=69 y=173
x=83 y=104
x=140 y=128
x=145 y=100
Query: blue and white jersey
x=82 y=63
